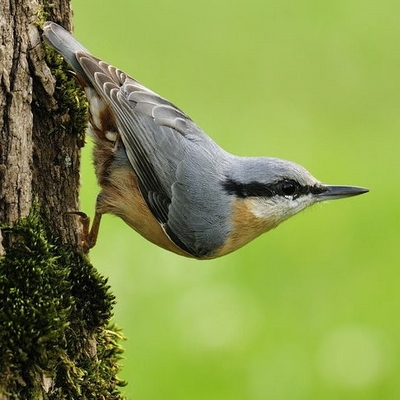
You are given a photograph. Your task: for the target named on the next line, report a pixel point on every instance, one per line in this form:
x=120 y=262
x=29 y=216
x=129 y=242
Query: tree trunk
x=54 y=307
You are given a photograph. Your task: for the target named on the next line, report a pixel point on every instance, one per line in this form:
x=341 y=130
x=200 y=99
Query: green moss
x=43 y=14
x=54 y=321
x=70 y=98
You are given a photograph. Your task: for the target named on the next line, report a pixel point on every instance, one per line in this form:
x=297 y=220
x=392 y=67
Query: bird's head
x=276 y=189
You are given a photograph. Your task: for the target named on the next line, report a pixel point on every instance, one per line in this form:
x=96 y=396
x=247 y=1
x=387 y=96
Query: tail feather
x=64 y=43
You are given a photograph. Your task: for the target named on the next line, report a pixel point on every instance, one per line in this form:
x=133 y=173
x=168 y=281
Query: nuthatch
x=171 y=182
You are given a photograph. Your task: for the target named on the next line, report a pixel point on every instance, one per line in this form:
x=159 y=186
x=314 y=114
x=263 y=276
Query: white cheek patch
x=276 y=209
x=262 y=208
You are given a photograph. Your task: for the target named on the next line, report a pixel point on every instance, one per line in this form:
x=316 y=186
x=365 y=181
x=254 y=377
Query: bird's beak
x=332 y=192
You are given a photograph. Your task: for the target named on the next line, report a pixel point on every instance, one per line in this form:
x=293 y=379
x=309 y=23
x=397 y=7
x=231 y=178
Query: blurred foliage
x=310 y=310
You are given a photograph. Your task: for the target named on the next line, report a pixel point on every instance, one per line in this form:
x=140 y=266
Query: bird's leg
x=88 y=234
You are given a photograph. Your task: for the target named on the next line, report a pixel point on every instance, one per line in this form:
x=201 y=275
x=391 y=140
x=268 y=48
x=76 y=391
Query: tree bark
x=55 y=308
x=34 y=163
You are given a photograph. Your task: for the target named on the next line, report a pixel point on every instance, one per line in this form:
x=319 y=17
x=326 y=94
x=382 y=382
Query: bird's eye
x=288 y=188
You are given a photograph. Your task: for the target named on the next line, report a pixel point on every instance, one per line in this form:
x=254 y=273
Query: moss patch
x=55 y=308
x=70 y=98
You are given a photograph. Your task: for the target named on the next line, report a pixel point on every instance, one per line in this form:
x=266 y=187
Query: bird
x=167 y=179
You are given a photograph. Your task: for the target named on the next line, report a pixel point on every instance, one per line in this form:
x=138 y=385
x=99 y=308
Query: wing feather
x=156 y=136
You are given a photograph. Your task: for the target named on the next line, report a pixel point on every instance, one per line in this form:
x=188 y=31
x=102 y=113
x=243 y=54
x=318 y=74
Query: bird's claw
x=88 y=234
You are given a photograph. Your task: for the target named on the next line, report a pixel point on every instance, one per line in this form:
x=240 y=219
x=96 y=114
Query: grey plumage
x=167 y=150
x=181 y=171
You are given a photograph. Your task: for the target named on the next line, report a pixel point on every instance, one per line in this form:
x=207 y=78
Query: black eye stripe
x=285 y=187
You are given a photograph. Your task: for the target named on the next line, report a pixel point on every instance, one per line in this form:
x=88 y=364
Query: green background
x=310 y=310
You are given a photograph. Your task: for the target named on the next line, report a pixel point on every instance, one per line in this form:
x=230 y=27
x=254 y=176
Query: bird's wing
x=157 y=137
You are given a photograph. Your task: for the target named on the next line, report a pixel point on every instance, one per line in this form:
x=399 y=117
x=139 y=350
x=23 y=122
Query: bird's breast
x=246 y=226
x=121 y=196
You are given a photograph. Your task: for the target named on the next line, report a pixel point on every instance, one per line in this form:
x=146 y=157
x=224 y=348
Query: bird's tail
x=64 y=43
